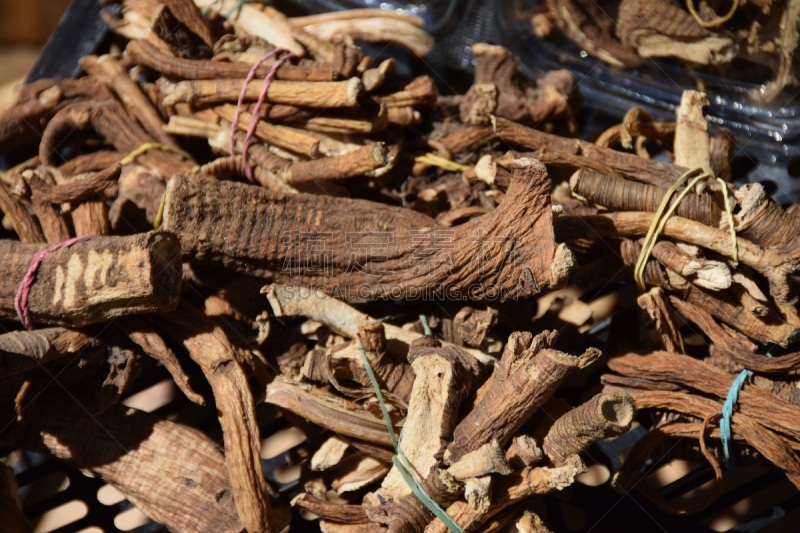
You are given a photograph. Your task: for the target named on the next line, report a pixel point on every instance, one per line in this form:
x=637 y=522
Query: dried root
x=374 y=191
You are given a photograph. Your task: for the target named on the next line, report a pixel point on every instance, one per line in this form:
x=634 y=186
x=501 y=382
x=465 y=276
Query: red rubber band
x=21 y=299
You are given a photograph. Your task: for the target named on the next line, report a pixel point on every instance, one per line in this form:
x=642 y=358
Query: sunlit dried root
x=210 y=348
x=95 y=280
x=525 y=378
x=510 y=252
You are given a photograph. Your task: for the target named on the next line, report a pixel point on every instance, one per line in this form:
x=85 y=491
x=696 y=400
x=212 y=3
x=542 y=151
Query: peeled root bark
x=445 y=376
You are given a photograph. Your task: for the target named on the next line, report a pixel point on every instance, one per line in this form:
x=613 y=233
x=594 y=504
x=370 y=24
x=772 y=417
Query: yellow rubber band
x=713 y=22
x=730 y=219
x=660 y=219
x=146 y=147
x=160 y=214
x=438 y=161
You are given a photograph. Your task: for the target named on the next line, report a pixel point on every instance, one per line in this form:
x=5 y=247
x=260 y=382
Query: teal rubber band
x=727 y=413
x=399 y=460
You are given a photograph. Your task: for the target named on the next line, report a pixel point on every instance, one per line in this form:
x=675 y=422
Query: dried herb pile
x=740 y=40
x=445 y=240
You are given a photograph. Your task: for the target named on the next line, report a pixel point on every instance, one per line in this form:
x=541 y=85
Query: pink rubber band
x=21 y=299
x=247 y=80
x=254 y=118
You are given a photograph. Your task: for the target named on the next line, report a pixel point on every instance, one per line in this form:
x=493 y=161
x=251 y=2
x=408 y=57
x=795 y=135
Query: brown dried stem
x=760 y=405
x=720 y=303
x=723 y=341
x=328 y=411
x=25 y=225
x=355 y=163
x=658 y=321
x=51 y=219
x=309 y=94
x=342 y=513
x=527 y=376
x=22 y=124
x=141 y=332
x=21 y=351
x=420 y=90
x=285 y=137
x=110 y=120
x=108 y=70
x=210 y=348
x=645 y=170
x=604 y=416
x=774 y=264
x=76 y=189
x=95 y=280
x=627 y=195
x=506 y=253
x=141 y=52
x=752 y=428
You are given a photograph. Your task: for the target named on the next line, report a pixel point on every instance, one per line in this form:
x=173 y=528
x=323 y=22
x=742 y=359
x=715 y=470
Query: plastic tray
x=768 y=135
x=436 y=13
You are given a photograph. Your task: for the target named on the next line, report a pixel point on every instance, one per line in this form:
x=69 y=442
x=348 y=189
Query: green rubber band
x=425 y=326
x=378 y=393
x=391 y=317
x=399 y=460
x=209 y=6
x=234 y=9
x=238 y=5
